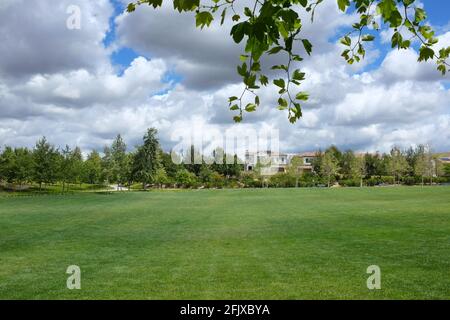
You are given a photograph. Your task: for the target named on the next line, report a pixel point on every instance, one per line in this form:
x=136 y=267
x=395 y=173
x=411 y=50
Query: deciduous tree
x=93 y=168
x=397 y=164
x=45 y=162
x=329 y=166
x=358 y=168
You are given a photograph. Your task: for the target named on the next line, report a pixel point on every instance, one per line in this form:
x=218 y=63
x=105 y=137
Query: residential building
x=445 y=160
x=271 y=163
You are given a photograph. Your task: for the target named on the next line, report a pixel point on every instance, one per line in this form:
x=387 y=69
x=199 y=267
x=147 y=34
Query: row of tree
x=401 y=166
x=147 y=165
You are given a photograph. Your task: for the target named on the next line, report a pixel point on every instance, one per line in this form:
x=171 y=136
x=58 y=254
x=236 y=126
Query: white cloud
x=61 y=84
x=35 y=38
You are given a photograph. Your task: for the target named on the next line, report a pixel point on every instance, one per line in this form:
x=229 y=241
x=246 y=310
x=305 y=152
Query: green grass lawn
x=228 y=244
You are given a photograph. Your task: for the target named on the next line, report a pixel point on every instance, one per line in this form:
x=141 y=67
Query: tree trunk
x=422 y=181
x=361 y=183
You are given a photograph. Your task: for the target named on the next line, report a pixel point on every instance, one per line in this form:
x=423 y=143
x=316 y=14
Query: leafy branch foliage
x=271 y=27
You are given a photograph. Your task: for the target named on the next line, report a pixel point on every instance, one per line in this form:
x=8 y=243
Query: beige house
x=272 y=163
x=445 y=160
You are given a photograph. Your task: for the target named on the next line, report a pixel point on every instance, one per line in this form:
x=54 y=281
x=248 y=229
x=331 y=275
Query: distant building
x=271 y=163
x=445 y=160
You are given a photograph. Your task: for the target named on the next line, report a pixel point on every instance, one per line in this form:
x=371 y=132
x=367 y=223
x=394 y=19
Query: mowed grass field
x=228 y=244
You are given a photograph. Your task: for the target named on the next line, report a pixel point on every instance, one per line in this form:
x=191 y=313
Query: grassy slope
x=268 y=244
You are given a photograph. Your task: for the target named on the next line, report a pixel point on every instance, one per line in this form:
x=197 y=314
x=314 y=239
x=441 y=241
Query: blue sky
x=124 y=56
x=438 y=11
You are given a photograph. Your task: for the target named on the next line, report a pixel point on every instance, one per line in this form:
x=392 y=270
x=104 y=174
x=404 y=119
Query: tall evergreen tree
x=77 y=166
x=169 y=165
x=107 y=165
x=119 y=160
x=147 y=159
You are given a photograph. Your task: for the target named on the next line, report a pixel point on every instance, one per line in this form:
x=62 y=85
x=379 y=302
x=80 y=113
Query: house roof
x=268 y=153
x=307 y=154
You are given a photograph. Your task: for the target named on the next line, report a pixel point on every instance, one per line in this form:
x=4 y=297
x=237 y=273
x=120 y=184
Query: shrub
x=186 y=179
x=409 y=181
x=217 y=180
x=282 y=180
x=376 y=181
x=350 y=183
x=250 y=180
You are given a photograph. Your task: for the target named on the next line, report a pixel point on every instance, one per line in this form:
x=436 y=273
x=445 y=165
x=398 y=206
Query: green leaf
x=250 y=107
x=396 y=40
x=263 y=80
x=420 y=15
x=203 y=19
x=308 y=46
x=237 y=32
x=224 y=14
x=275 y=50
x=131 y=7
x=343 y=4
x=302 y=96
x=180 y=5
x=242 y=70
x=279 y=83
x=426 y=53
x=237 y=119
x=282 y=102
x=386 y=8
x=297 y=75
x=243 y=57
x=346 y=41
x=442 y=69
x=368 y=37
